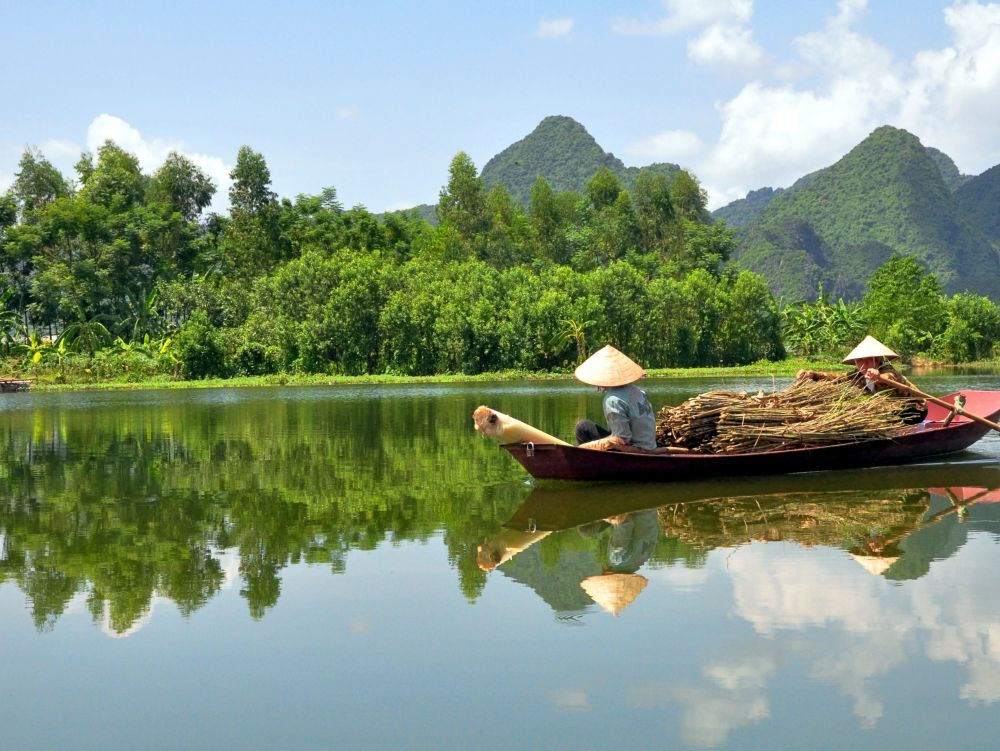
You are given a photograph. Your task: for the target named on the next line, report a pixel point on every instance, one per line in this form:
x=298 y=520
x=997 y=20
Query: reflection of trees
x=121 y=504
x=847 y=518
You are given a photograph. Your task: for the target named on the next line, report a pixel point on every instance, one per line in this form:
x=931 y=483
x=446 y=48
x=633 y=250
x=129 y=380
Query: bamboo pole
x=940 y=402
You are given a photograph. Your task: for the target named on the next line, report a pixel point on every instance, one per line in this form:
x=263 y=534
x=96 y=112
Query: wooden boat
x=934 y=437
x=14 y=384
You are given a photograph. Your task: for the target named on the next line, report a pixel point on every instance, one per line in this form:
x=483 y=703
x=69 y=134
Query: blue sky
x=375 y=98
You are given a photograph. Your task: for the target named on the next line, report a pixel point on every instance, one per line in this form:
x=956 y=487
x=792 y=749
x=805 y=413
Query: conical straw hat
x=614 y=592
x=870 y=347
x=609 y=367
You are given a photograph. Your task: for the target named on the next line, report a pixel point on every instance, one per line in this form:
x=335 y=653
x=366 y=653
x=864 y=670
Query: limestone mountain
x=978 y=200
x=835 y=227
x=562 y=151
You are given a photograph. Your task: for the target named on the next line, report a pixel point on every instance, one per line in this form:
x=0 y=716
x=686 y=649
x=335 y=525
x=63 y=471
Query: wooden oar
x=956 y=408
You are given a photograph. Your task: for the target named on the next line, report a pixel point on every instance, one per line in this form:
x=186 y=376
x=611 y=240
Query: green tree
x=462 y=202
x=654 y=212
x=689 y=198
x=116 y=181
x=36 y=184
x=181 y=186
x=904 y=307
x=251 y=240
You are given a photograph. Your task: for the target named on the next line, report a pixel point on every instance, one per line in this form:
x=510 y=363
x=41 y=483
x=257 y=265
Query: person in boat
x=631 y=423
x=871 y=360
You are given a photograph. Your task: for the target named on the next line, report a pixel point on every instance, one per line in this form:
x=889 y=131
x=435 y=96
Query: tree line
x=121 y=274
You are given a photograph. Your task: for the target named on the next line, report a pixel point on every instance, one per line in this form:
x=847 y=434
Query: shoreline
x=46 y=382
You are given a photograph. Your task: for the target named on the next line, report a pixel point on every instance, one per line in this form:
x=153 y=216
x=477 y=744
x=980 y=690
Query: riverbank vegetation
x=118 y=276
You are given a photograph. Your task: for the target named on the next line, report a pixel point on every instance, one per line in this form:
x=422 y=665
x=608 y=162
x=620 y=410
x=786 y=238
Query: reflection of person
x=871 y=360
x=631 y=539
x=629 y=415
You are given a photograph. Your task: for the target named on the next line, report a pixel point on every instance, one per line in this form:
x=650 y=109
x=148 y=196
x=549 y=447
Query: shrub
x=199 y=348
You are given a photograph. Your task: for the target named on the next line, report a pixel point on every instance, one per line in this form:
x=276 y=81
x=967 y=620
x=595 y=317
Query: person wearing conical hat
x=627 y=411
x=871 y=359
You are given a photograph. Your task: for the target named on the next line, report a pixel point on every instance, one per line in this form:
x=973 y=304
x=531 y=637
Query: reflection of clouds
x=680 y=578
x=752 y=672
x=866 y=626
x=711 y=716
x=851 y=662
x=799 y=590
x=229 y=562
x=576 y=699
x=732 y=696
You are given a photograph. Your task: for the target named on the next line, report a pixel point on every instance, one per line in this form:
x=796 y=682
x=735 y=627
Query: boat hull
x=933 y=438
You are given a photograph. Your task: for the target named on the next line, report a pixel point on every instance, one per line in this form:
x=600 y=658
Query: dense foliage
x=906 y=309
x=123 y=274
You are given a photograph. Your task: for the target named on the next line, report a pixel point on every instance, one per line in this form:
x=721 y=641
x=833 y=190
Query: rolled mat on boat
x=507 y=429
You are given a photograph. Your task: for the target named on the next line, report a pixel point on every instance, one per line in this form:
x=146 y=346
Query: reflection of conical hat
x=870 y=347
x=609 y=367
x=614 y=592
x=875 y=564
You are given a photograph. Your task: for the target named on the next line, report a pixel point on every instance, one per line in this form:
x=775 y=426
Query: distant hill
x=565 y=154
x=742 y=211
x=839 y=224
x=978 y=200
x=949 y=172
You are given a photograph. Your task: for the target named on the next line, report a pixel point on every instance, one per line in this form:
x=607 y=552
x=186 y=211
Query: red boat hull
x=932 y=438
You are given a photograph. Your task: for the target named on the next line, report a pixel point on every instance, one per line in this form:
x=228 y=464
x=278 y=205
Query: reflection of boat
x=935 y=437
x=557 y=506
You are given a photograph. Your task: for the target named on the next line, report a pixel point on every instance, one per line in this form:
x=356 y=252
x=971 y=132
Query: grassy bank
x=44 y=380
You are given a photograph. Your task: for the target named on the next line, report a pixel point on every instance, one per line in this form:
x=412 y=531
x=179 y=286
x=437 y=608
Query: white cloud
x=553 y=28
x=803 y=114
x=5 y=181
x=684 y=15
x=952 y=99
x=348 y=112
x=725 y=46
x=668 y=146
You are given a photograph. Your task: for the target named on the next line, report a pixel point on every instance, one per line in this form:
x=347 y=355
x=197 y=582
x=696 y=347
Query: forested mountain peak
x=887 y=195
x=562 y=151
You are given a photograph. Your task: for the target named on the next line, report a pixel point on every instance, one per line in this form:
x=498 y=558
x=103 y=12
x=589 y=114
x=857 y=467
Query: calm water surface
x=314 y=568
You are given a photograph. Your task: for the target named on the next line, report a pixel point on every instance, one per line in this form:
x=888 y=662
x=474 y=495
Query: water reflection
x=791 y=560
x=357 y=524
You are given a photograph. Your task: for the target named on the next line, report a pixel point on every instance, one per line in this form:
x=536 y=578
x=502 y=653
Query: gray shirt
x=630 y=416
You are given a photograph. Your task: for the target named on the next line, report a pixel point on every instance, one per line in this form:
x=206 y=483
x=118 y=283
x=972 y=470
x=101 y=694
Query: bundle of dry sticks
x=805 y=414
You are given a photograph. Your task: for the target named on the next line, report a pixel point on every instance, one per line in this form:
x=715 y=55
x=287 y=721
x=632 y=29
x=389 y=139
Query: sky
x=376 y=98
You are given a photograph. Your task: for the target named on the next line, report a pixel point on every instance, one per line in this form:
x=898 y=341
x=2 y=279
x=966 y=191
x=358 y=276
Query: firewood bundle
x=805 y=414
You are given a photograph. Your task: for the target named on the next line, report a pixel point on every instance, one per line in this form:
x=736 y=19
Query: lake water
x=300 y=569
